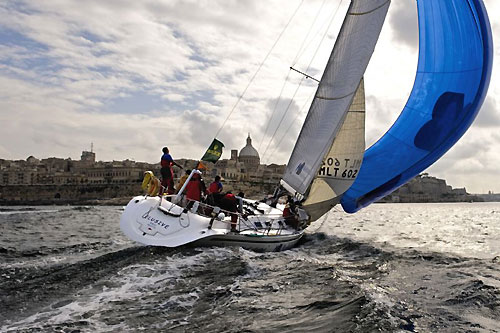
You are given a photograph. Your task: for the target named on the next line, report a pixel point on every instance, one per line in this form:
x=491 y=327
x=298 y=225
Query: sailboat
x=453 y=73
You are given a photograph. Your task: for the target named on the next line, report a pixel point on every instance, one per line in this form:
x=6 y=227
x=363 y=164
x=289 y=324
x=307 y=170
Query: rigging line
x=297 y=56
x=300 y=83
x=302 y=48
x=283 y=116
x=258 y=69
x=293 y=122
x=274 y=109
x=301 y=80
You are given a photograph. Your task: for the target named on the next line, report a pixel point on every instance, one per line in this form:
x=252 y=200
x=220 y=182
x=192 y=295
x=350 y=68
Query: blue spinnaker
x=453 y=75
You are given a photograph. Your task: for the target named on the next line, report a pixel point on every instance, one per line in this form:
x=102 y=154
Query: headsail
x=347 y=64
x=341 y=165
x=453 y=74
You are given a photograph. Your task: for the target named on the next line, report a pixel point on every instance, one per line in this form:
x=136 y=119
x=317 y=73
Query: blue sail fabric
x=453 y=74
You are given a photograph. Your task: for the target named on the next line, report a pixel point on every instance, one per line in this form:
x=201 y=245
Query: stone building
x=249 y=156
x=230 y=169
x=424 y=188
x=246 y=167
x=58 y=171
x=58 y=180
x=87 y=158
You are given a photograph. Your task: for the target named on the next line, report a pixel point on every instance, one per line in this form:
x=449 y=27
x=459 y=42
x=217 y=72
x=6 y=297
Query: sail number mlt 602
x=333 y=167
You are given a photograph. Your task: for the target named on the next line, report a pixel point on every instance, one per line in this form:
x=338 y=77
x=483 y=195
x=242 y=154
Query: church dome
x=249 y=156
x=249 y=150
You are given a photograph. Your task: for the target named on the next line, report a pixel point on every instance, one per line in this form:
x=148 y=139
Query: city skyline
x=132 y=78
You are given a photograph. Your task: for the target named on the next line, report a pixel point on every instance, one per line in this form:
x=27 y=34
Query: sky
x=134 y=76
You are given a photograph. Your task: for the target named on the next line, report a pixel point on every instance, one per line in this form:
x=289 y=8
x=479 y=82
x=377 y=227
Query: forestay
x=346 y=66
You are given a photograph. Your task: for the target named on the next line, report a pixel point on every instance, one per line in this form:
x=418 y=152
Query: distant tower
x=88 y=157
x=234 y=154
x=249 y=156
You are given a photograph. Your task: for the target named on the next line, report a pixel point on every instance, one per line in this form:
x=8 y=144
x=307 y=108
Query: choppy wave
x=74 y=271
x=12 y=211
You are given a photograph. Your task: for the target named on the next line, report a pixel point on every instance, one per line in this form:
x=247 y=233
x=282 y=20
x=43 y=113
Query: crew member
x=195 y=188
x=215 y=186
x=229 y=203
x=215 y=192
x=167 y=174
x=182 y=180
x=289 y=213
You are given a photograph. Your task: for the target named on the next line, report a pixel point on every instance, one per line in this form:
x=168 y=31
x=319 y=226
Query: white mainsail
x=346 y=66
x=341 y=165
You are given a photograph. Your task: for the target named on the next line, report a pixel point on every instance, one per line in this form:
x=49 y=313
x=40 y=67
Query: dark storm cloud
x=403 y=20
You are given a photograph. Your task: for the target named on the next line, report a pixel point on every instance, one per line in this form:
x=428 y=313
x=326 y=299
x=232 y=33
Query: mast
x=344 y=70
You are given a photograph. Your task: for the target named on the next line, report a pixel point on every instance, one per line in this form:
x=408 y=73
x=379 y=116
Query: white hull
x=253 y=242
x=155 y=221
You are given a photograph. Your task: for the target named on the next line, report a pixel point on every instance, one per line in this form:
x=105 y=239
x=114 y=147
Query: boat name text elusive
x=151 y=219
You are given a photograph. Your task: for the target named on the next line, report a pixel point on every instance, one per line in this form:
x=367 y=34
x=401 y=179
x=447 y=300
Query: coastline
x=121 y=201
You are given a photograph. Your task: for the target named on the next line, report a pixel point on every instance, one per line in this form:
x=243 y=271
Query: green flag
x=214 y=152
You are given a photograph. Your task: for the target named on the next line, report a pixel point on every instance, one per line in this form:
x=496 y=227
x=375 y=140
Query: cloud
x=381 y=113
x=472 y=162
x=403 y=21
x=285 y=121
x=489 y=115
x=137 y=76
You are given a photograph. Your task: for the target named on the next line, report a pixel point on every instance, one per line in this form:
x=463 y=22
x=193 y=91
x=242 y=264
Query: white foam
x=134 y=284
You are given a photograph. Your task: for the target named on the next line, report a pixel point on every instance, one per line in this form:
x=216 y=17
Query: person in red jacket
x=195 y=188
x=215 y=192
x=215 y=186
x=229 y=203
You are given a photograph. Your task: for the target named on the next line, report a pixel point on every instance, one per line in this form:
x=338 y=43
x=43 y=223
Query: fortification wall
x=66 y=194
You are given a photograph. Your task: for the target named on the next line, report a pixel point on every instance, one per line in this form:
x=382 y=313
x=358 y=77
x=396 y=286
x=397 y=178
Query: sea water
x=387 y=268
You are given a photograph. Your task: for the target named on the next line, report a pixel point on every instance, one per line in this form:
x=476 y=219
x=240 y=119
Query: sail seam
x=371 y=11
x=335 y=98
x=451 y=72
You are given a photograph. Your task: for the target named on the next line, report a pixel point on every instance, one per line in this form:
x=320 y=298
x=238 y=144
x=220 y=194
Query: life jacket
x=166 y=161
x=181 y=182
x=230 y=196
x=228 y=202
x=194 y=188
x=290 y=217
x=214 y=187
x=286 y=212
